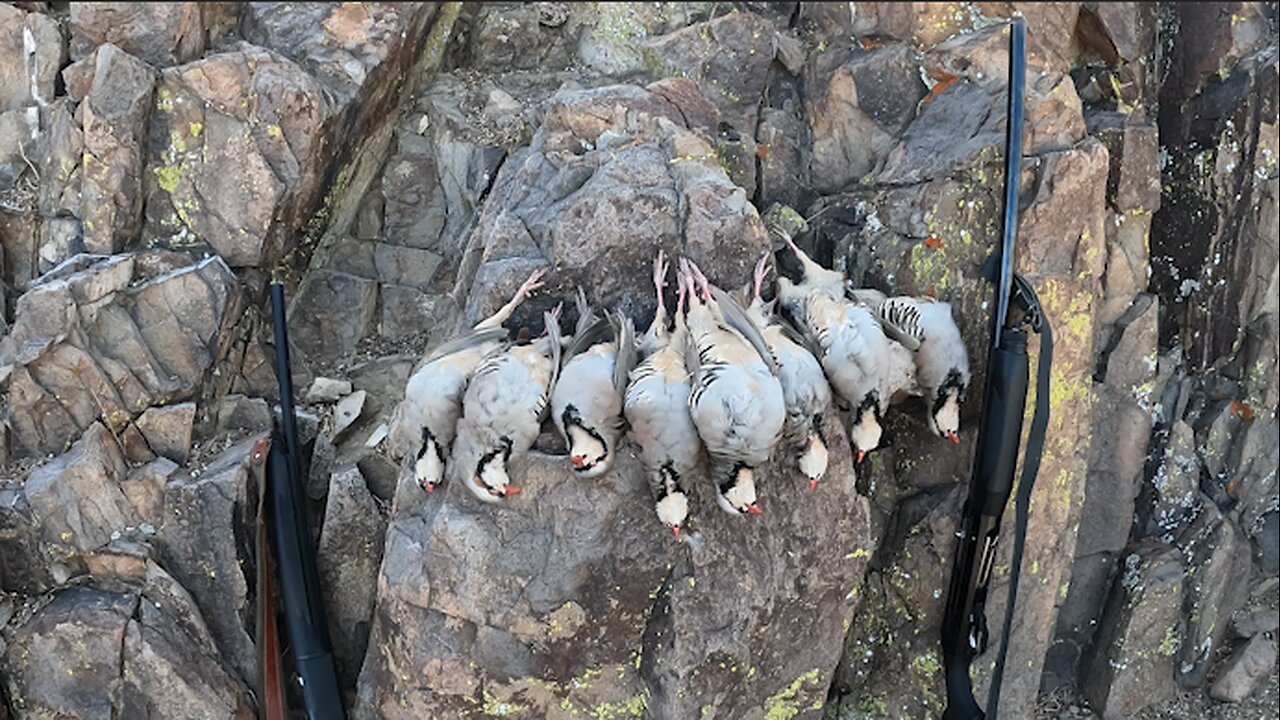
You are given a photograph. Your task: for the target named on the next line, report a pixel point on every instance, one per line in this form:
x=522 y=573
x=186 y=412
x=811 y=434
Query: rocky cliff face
x=404 y=166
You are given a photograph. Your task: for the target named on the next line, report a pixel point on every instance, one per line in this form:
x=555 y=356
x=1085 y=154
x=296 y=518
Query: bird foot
x=660 y=267
x=703 y=283
x=762 y=271
x=533 y=283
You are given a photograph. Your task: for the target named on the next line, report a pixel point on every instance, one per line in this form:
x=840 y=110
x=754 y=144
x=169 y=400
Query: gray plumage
x=586 y=405
x=502 y=413
x=423 y=425
x=941 y=361
x=736 y=402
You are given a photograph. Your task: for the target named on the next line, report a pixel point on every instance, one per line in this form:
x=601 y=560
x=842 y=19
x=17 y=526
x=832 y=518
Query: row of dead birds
x=737 y=381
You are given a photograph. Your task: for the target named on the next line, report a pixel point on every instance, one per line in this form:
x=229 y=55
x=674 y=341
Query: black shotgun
x=1015 y=312
x=299 y=579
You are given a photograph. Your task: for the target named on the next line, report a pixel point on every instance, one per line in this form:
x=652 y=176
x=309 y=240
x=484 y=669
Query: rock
x=1256 y=621
x=240 y=413
x=109 y=340
x=161 y=35
x=784 y=169
x=1217 y=584
x=891 y=665
x=126 y=654
x=665 y=189
x=32 y=48
x=349 y=555
x=406 y=311
x=23 y=566
x=612 y=615
x=327 y=390
x=1133 y=147
x=18 y=132
x=1246 y=667
x=145 y=488
x=1117 y=32
x=1078 y=620
x=340 y=313
x=204 y=542
x=728 y=58
x=380 y=474
x=114 y=118
x=1266 y=543
x=168 y=430
x=1176 y=482
x=857 y=115
x=406 y=266
x=201 y=131
x=77 y=497
x=1132 y=663
x=347 y=411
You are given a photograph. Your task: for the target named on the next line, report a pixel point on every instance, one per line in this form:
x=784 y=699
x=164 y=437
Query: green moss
x=633 y=706
x=784 y=705
x=499 y=708
x=196 y=128
x=1171 y=643
x=274 y=131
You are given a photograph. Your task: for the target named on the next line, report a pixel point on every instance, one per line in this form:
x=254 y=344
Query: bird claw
x=762 y=271
x=697 y=274
x=533 y=283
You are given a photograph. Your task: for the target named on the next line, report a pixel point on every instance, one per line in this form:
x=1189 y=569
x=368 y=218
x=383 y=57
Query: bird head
x=673 y=510
x=589 y=452
x=944 y=415
x=491 y=480
x=865 y=430
x=737 y=495
x=428 y=468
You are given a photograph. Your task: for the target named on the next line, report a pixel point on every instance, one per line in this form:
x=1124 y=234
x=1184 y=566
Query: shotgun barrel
x=302 y=601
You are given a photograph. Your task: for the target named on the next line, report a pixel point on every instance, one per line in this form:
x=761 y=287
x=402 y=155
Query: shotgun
x=291 y=540
x=1016 y=312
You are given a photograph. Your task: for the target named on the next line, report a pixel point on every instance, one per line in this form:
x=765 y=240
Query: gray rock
x=784 y=169
x=168 y=430
x=159 y=34
x=18 y=132
x=405 y=266
x=1266 y=543
x=145 y=489
x=1078 y=620
x=339 y=313
x=347 y=411
x=1176 y=483
x=77 y=497
x=665 y=189
x=327 y=390
x=1217 y=583
x=1132 y=663
x=28 y=77
x=106 y=342
x=240 y=413
x=23 y=566
x=128 y=654
x=1133 y=183
x=349 y=555
x=728 y=59
x=1244 y=670
x=1118 y=32
x=1256 y=621
x=209 y=514
x=406 y=311
x=856 y=116
x=601 y=610
x=114 y=120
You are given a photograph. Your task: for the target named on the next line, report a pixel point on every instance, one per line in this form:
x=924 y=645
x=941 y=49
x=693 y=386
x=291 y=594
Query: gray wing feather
x=597 y=332
x=624 y=333
x=467 y=341
x=738 y=319
x=553 y=333
x=586 y=317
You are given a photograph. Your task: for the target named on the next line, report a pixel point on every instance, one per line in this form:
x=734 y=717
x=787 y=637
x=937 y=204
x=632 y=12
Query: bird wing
x=624 y=333
x=469 y=340
x=596 y=332
x=900 y=319
x=737 y=318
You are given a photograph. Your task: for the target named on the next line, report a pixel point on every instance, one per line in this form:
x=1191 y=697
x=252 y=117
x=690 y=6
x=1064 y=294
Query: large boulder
x=635 y=170
x=106 y=338
x=131 y=646
x=77 y=497
x=573 y=599
x=206 y=541
x=162 y=34
x=31 y=53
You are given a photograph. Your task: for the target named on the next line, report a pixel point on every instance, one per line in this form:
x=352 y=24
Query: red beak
x=754 y=509
x=861 y=454
x=429 y=487
x=577 y=461
x=953 y=437
x=675 y=530
x=813 y=483
x=510 y=490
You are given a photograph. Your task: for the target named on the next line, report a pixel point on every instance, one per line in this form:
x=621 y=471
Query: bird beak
x=861 y=454
x=675 y=530
x=577 y=461
x=754 y=509
x=430 y=487
x=953 y=437
x=813 y=483
x=510 y=490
